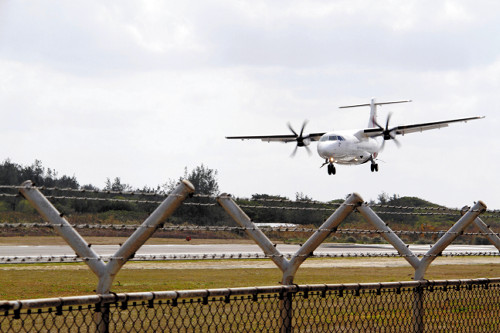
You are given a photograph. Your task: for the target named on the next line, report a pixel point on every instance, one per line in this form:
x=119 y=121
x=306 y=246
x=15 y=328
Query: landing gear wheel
x=374 y=167
x=331 y=169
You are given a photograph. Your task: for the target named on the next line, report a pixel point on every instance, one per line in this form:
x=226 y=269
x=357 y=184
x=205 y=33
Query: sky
x=142 y=90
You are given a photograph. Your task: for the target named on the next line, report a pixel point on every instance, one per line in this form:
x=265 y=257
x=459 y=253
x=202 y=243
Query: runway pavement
x=228 y=249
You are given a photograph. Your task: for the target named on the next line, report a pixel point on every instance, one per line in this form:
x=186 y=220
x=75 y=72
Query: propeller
x=387 y=133
x=302 y=141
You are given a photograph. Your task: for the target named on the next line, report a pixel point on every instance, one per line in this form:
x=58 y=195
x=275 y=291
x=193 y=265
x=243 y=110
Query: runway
x=236 y=249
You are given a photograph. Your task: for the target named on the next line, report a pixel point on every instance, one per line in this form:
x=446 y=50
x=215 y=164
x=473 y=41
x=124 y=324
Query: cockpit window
x=332 y=138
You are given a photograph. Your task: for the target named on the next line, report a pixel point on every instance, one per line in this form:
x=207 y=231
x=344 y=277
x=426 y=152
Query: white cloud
x=141 y=89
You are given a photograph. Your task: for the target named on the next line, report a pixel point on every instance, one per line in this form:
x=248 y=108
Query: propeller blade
x=302 y=129
x=387 y=121
x=291 y=129
x=378 y=125
x=388 y=133
x=308 y=150
x=382 y=146
x=396 y=141
x=300 y=139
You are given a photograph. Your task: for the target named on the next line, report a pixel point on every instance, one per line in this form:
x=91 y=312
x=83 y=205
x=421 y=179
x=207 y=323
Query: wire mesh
x=446 y=306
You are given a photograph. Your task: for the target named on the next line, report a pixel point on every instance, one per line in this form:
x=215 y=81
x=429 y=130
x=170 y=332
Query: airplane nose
x=322 y=149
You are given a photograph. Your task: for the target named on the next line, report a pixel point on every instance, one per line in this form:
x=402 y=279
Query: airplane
x=353 y=147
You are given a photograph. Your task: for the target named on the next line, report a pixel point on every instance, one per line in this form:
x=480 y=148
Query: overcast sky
x=141 y=89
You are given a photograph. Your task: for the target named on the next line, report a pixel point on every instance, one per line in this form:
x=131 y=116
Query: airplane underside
x=350 y=160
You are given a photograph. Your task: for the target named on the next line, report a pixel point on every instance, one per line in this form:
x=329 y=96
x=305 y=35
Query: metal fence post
x=268 y=248
x=492 y=236
x=134 y=242
x=63 y=228
x=329 y=226
x=434 y=252
x=289 y=267
x=252 y=231
x=448 y=238
x=106 y=272
x=307 y=249
x=143 y=233
x=389 y=235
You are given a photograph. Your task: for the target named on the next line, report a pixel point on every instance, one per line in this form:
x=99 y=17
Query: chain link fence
x=424 y=306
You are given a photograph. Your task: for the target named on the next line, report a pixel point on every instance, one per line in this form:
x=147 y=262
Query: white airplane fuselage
x=352 y=147
x=342 y=147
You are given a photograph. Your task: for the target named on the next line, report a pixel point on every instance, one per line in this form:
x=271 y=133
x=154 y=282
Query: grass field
x=57 y=280
x=474 y=310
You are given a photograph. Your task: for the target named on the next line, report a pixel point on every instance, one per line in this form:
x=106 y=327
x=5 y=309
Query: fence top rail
x=228 y=292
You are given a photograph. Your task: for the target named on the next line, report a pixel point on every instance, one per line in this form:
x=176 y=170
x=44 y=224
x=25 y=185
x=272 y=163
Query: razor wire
x=246 y=206
x=82 y=190
x=195 y=228
x=263 y=200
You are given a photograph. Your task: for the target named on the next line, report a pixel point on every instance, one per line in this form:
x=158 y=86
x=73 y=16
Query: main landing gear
x=331 y=169
x=374 y=167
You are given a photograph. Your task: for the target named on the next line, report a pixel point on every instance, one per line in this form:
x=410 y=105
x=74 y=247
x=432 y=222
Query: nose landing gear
x=374 y=167
x=331 y=169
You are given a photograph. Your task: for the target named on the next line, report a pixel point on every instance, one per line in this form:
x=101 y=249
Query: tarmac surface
x=247 y=249
x=201 y=249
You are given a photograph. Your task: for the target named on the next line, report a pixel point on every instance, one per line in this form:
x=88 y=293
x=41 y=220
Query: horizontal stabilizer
x=369 y=104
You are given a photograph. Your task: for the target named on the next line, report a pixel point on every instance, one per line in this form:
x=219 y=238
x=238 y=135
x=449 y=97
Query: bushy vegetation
x=264 y=208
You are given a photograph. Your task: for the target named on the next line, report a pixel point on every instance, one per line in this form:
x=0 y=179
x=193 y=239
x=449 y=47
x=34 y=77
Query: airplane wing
x=405 y=129
x=277 y=138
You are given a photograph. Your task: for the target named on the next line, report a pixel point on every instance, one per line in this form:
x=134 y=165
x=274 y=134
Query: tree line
x=263 y=208
x=202 y=177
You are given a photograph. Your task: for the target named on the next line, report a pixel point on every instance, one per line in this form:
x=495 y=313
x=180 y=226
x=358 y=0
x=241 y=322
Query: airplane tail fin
x=372 y=122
